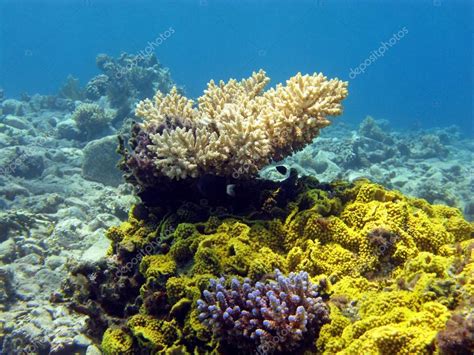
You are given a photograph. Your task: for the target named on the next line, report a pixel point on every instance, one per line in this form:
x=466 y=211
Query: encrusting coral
x=116 y=341
x=235 y=129
x=423 y=307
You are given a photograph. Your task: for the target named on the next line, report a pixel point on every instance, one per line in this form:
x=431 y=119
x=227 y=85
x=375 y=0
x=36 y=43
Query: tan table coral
x=236 y=128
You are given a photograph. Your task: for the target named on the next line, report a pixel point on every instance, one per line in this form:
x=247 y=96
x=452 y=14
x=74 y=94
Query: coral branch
x=234 y=124
x=274 y=314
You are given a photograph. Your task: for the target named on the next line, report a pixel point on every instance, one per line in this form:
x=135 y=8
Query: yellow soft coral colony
x=235 y=126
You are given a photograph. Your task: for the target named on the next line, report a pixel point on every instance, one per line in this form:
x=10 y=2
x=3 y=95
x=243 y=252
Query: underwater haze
x=236 y=177
x=422 y=79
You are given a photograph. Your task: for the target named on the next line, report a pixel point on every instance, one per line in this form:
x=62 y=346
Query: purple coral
x=271 y=316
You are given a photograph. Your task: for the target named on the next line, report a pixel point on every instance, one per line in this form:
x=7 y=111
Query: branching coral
x=286 y=309
x=235 y=129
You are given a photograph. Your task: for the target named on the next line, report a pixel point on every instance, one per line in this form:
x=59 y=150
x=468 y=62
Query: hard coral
x=236 y=128
x=132 y=76
x=127 y=79
x=403 y=313
x=374 y=231
x=458 y=336
x=274 y=315
x=117 y=341
x=152 y=333
x=91 y=119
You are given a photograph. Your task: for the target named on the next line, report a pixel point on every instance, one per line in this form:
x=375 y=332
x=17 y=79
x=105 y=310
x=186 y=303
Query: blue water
x=424 y=79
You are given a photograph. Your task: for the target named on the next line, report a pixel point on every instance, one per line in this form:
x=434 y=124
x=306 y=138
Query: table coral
x=234 y=130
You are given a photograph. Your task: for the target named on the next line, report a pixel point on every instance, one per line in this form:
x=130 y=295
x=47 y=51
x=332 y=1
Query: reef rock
x=100 y=161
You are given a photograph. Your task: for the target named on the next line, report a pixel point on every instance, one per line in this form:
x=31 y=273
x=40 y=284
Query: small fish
x=212 y=186
x=230 y=190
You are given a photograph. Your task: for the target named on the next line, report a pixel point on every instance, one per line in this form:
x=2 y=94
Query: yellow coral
x=378 y=228
x=157 y=266
x=232 y=250
x=399 y=315
x=116 y=341
x=133 y=235
x=152 y=333
x=382 y=322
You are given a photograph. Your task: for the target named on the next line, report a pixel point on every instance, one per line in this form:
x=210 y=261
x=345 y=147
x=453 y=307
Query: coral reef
x=235 y=130
x=91 y=119
x=71 y=89
x=288 y=308
x=458 y=335
x=432 y=164
x=53 y=215
x=127 y=79
x=415 y=293
x=391 y=269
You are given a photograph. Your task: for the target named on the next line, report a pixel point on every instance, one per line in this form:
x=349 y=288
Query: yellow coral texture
x=397 y=269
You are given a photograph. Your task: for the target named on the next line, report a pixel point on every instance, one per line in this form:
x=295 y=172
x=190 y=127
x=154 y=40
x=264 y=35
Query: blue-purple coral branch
x=271 y=316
